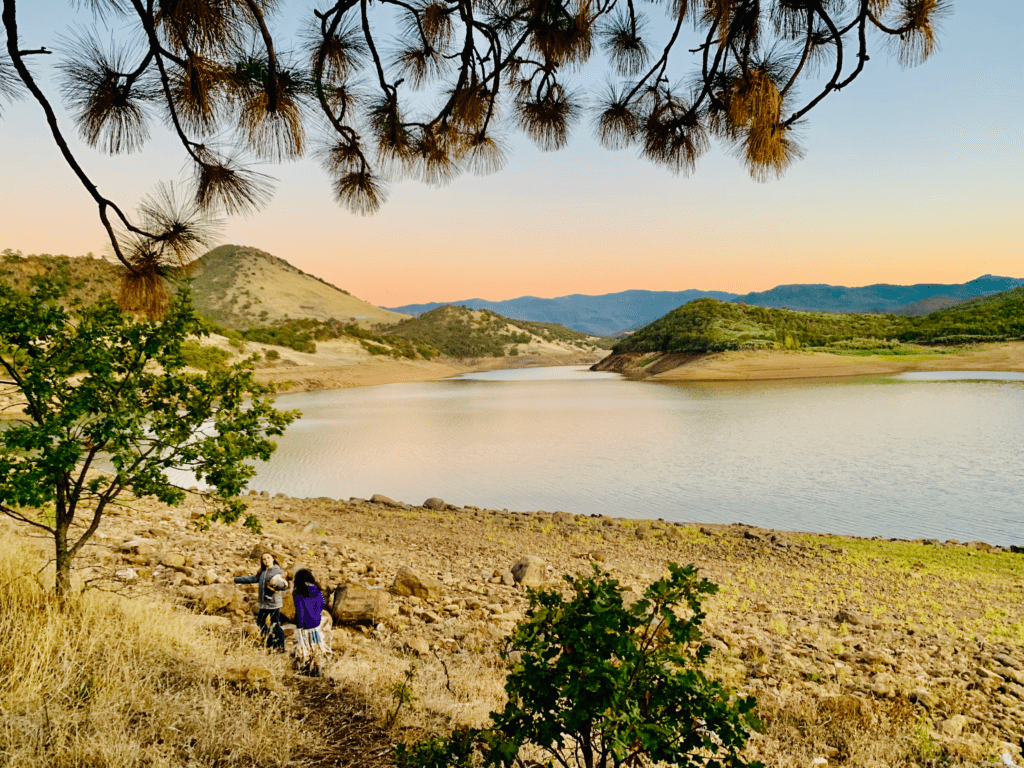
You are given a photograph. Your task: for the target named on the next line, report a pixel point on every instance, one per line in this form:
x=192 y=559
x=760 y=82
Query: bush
x=272 y=354
x=203 y=358
x=601 y=683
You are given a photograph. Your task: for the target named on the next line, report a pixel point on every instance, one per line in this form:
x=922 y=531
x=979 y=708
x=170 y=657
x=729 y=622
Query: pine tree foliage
x=442 y=96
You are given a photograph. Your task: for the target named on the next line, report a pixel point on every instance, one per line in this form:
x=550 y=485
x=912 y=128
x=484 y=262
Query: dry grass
x=110 y=682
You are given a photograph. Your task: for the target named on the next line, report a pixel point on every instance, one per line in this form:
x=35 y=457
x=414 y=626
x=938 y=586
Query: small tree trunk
x=63 y=561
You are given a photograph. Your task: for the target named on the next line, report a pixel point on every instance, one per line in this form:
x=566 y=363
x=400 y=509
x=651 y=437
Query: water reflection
x=880 y=456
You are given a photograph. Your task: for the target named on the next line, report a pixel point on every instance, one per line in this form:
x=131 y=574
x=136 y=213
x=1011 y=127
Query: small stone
x=417 y=645
x=953 y=726
x=530 y=571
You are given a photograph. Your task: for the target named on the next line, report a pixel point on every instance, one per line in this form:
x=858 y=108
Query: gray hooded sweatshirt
x=269 y=598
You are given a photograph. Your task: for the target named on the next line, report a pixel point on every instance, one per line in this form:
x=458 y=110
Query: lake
x=907 y=456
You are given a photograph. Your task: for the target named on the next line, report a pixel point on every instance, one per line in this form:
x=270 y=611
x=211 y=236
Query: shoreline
x=765 y=365
x=761 y=365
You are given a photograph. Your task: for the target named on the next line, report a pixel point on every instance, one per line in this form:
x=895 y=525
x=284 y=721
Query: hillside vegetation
x=85 y=277
x=707 y=325
x=463 y=332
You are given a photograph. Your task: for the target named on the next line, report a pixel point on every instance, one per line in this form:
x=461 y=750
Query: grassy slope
x=86 y=278
x=707 y=325
x=239 y=287
x=462 y=332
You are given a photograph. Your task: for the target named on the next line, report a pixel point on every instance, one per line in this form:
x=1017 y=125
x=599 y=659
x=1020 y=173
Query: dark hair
x=303 y=578
x=263 y=565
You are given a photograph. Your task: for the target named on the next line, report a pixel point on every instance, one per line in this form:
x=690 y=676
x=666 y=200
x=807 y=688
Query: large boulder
x=353 y=604
x=410 y=582
x=435 y=503
x=380 y=498
x=220 y=597
x=530 y=571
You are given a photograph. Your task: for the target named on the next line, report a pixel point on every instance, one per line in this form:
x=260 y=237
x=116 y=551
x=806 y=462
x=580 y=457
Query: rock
x=172 y=560
x=953 y=726
x=219 y=597
x=530 y=571
x=378 y=498
x=435 y=503
x=139 y=546
x=924 y=697
x=563 y=517
x=353 y=604
x=257 y=552
x=288 y=606
x=857 y=619
x=126 y=574
x=410 y=582
x=209 y=577
x=417 y=645
x=506 y=578
x=308 y=528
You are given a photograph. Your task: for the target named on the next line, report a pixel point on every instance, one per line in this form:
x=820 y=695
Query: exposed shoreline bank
x=765 y=365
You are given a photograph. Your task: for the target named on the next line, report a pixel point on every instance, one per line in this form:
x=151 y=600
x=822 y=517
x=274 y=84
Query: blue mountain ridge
x=613 y=313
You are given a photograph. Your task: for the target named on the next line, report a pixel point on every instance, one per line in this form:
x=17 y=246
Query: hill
x=881 y=297
x=707 y=325
x=85 y=277
x=603 y=315
x=238 y=287
x=990 y=318
x=463 y=332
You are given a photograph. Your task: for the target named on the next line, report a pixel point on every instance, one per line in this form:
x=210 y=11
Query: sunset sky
x=910 y=176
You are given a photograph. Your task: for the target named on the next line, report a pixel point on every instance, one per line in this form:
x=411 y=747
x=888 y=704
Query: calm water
x=917 y=455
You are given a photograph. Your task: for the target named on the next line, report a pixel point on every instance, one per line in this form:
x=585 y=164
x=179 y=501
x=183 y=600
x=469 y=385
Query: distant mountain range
x=613 y=313
x=899 y=299
x=597 y=315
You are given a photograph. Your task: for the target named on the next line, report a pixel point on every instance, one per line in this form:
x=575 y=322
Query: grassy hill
x=85 y=277
x=707 y=325
x=239 y=287
x=464 y=332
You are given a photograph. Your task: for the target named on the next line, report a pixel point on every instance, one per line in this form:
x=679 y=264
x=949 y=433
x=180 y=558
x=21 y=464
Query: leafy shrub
x=203 y=358
x=601 y=683
x=272 y=354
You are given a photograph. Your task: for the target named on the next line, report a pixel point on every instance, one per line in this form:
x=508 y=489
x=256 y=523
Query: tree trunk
x=63 y=561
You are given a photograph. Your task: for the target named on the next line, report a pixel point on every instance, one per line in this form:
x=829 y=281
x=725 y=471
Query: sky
x=910 y=176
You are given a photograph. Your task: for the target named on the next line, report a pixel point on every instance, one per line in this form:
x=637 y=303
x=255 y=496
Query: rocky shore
x=860 y=651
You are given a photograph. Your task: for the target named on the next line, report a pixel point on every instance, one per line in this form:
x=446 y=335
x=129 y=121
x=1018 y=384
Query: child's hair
x=303 y=578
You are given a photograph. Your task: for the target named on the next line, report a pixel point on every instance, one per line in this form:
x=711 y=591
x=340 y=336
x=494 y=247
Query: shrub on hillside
x=598 y=682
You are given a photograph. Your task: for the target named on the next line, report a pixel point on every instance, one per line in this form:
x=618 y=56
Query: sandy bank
x=341 y=364
x=767 y=365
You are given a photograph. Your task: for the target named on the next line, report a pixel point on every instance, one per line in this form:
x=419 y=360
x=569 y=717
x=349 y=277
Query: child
x=271 y=582
x=311 y=646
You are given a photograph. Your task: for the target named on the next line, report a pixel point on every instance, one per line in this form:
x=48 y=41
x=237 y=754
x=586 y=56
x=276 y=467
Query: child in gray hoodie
x=271 y=582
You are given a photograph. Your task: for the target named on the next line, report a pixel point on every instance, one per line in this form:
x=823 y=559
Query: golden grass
x=111 y=682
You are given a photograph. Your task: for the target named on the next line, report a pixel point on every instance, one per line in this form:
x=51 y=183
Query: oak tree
x=109 y=409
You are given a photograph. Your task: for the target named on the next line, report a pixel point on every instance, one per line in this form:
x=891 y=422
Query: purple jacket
x=307 y=609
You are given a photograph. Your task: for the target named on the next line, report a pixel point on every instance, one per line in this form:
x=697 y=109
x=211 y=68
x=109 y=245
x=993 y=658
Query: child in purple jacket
x=311 y=649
